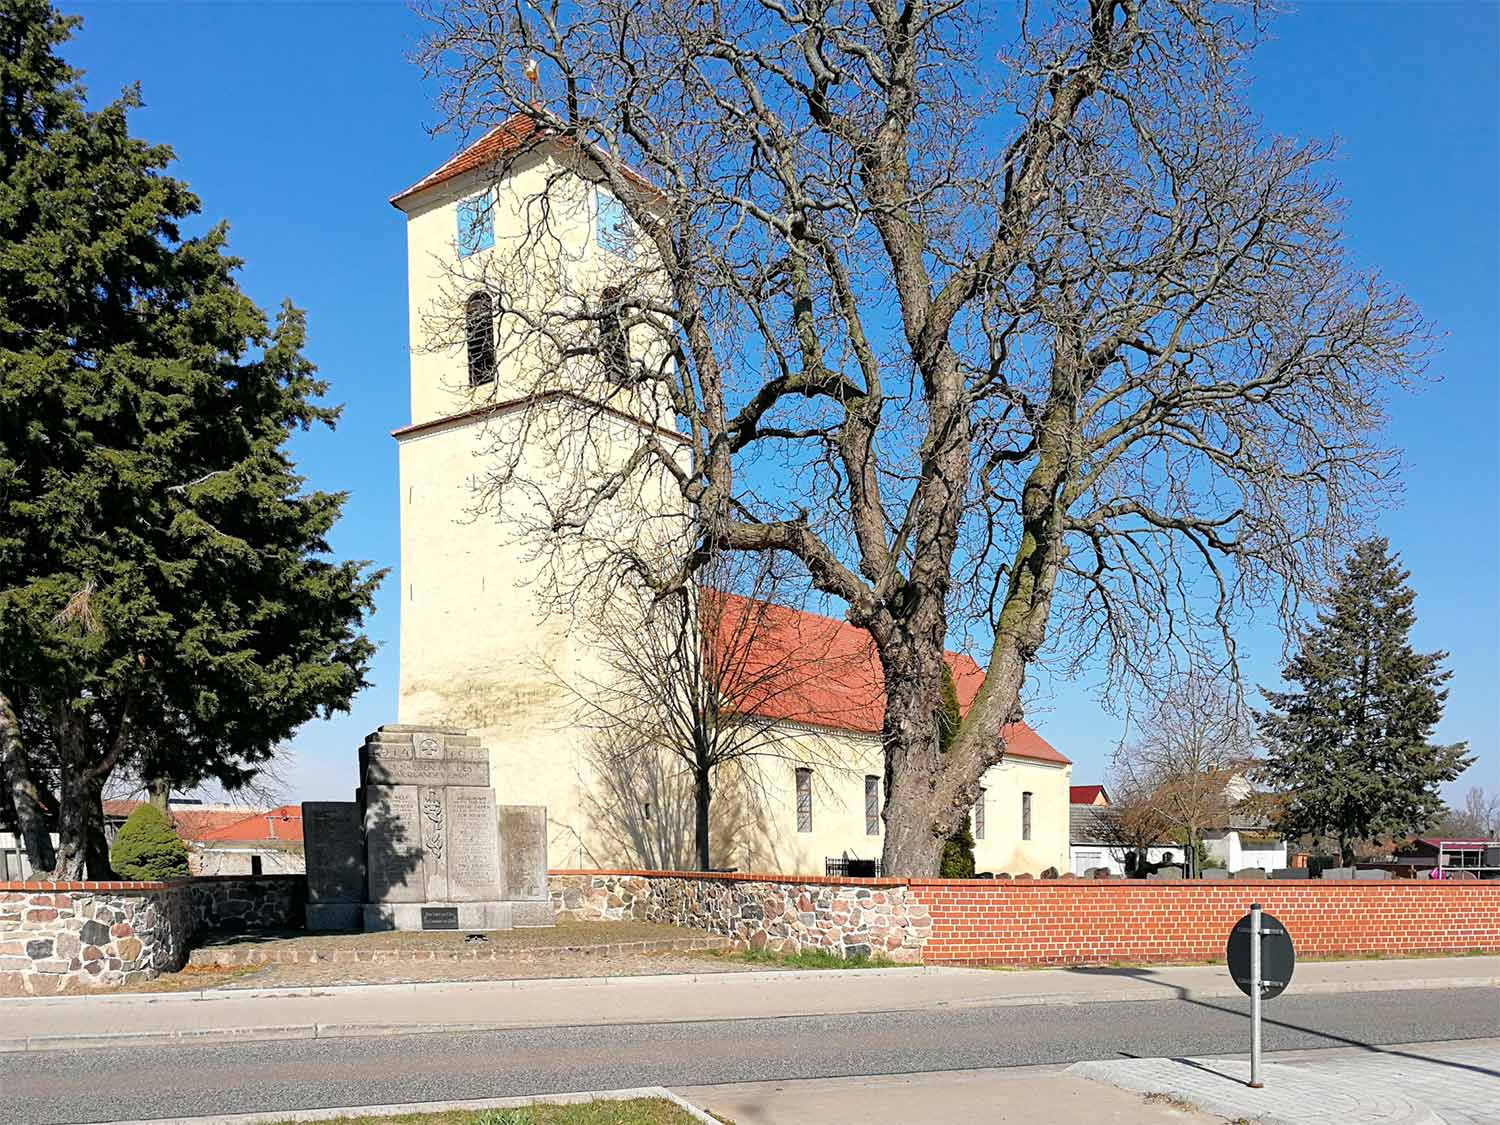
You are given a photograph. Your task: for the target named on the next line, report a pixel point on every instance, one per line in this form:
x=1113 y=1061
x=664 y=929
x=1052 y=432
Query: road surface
x=94 y=1085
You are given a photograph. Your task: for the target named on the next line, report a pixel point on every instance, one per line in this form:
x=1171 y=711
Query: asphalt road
x=41 y=1088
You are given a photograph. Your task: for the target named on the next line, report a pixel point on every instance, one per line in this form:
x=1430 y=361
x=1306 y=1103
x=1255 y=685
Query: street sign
x=1277 y=956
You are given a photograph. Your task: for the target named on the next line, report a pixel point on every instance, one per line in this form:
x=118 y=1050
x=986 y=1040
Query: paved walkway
x=1417 y=1084
x=231 y=1014
x=1033 y=1095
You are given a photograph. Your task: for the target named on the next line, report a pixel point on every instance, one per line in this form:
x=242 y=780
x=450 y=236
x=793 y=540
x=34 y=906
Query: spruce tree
x=166 y=600
x=1349 y=744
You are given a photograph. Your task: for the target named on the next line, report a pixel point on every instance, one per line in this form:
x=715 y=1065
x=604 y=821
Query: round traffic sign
x=1277 y=956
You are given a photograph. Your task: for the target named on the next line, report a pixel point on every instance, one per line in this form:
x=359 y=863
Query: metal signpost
x=1261 y=959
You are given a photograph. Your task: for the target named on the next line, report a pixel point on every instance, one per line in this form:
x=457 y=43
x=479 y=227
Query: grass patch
x=1172 y=1101
x=637 y=1111
x=806 y=959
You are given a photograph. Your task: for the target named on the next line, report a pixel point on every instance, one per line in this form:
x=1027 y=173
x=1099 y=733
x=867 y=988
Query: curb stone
x=277 y=1116
x=752 y=976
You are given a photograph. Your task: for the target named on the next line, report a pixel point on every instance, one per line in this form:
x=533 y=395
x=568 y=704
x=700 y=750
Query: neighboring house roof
x=513 y=135
x=195 y=825
x=1088 y=823
x=1446 y=842
x=814 y=669
x=282 y=824
x=1087 y=795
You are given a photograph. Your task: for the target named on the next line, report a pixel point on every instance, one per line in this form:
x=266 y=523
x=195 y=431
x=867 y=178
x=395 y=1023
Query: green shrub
x=147 y=847
x=958 y=855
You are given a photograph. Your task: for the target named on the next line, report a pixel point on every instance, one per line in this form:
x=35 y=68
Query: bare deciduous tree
x=1191 y=749
x=1478 y=819
x=698 y=679
x=1051 y=346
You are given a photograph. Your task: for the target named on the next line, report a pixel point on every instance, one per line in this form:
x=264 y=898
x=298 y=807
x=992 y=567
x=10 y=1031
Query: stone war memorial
x=425 y=845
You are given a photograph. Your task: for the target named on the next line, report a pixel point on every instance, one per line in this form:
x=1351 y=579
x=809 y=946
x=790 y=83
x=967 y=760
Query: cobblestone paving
x=1447 y=1084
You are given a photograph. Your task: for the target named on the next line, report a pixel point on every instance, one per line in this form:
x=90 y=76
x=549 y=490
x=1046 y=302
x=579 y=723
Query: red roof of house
x=509 y=137
x=224 y=825
x=1085 y=794
x=804 y=667
x=282 y=823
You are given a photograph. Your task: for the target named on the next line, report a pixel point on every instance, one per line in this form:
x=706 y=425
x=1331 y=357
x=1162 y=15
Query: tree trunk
x=25 y=798
x=704 y=796
x=82 y=851
x=916 y=824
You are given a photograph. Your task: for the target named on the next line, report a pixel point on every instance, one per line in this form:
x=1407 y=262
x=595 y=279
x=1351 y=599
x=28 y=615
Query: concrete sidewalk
x=1034 y=1095
x=230 y=1014
x=1455 y=1083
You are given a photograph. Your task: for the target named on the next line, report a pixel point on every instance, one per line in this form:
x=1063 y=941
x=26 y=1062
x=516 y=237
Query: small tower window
x=614 y=341
x=979 y=816
x=872 y=805
x=476 y=225
x=614 y=230
x=479 y=320
x=1025 y=816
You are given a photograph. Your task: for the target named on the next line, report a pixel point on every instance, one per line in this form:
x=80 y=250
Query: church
x=486 y=641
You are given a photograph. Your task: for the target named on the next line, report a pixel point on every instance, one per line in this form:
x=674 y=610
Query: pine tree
x=166 y=600
x=1349 y=745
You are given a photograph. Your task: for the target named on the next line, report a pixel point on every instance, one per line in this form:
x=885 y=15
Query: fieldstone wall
x=50 y=937
x=847 y=917
x=243 y=902
x=103 y=934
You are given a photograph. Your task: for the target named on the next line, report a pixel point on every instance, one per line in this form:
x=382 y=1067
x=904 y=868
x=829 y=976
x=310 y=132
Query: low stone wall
x=848 y=917
x=104 y=934
x=109 y=934
x=1064 y=921
x=248 y=902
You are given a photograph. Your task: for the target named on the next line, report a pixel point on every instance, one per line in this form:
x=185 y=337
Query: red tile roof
x=283 y=823
x=513 y=135
x=503 y=140
x=1086 y=794
x=199 y=825
x=813 y=669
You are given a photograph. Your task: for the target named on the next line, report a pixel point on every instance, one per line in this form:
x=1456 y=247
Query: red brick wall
x=1068 y=922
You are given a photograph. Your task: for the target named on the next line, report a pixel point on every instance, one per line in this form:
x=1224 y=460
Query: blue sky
x=297 y=121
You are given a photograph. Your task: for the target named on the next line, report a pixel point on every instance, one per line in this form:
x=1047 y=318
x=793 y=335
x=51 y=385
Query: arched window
x=479 y=320
x=614 y=343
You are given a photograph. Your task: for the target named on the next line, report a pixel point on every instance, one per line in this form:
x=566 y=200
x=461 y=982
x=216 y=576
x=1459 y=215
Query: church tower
x=481 y=648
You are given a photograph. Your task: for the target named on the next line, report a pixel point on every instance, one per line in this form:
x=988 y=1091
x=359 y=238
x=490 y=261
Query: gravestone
x=425 y=845
x=1375 y=874
x=1338 y=873
x=335 y=853
x=1166 y=871
x=1250 y=873
x=1214 y=873
x=1289 y=873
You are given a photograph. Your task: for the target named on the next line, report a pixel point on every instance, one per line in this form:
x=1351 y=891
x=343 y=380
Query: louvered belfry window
x=804 y=800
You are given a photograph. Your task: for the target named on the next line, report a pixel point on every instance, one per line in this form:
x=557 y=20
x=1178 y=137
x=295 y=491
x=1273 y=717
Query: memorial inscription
x=523 y=843
x=473 y=845
x=393 y=838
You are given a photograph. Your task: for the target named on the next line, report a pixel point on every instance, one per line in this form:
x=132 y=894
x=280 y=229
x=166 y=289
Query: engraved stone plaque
x=335 y=851
x=523 y=848
x=385 y=769
x=393 y=842
x=473 y=845
x=440 y=917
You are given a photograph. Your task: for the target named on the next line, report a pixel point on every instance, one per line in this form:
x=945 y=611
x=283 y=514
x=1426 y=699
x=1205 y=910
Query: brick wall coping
x=1460 y=885
x=139 y=886
x=733 y=877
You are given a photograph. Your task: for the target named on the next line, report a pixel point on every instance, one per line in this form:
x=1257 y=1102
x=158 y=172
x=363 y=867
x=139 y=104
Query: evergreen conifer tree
x=1349 y=744
x=166 y=600
x=148 y=847
x=958 y=849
